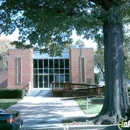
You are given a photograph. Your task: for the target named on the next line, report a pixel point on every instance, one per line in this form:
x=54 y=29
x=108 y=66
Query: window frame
x=19 y=70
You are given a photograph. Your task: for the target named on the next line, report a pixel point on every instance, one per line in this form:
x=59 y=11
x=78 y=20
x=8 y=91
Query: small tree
x=4 y=46
x=99 y=61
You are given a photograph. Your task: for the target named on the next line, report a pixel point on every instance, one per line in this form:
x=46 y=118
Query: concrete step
x=41 y=93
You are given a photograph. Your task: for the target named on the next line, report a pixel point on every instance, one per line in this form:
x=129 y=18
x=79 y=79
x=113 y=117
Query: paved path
x=42 y=112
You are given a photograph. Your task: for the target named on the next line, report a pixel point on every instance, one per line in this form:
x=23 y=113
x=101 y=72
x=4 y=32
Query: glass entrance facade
x=49 y=69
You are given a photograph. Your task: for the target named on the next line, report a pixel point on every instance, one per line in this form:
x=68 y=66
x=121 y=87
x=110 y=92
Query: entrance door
x=47 y=81
x=59 y=78
x=43 y=81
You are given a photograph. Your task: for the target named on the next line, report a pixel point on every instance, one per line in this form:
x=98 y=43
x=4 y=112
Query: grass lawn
x=94 y=105
x=5 y=103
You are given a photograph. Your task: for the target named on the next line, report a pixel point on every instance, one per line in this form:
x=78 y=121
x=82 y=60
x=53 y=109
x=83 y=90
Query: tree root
x=105 y=119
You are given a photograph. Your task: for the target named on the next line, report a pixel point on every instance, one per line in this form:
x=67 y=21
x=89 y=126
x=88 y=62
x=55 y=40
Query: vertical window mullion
x=38 y=71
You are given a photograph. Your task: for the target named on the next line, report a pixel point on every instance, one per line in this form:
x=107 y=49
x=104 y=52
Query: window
x=18 y=70
x=35 y=81
x=51 y=63
x=82 y=72
x=40 y=81
x=62 y=63
x=35 y=64
x=56 y=63
x=45 y=63
x=48 y=70
x=66 y=63
x=40 y=63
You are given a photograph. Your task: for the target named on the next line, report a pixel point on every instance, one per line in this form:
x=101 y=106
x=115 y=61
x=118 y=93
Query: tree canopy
x=4 y=46
x=44 y=22
x=49 y=24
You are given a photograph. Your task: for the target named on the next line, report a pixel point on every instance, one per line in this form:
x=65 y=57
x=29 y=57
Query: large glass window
x=56 y=70
x=66 y=63
x=35 y=64
x=61 y=70
x=62 y=78
x=48 y=70
x=51 y=79
x=56 y=63
x=35 y=81
x=51 y=63
x=66 y=70
x=67 y=77
x=40 y=81
x=40 y=64
x=45 y=81
x=62 y=63
x=45 y=63
x=40 y=71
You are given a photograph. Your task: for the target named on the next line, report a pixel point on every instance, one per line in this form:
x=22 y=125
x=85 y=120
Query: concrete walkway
x=42 y=113
x=46 y=113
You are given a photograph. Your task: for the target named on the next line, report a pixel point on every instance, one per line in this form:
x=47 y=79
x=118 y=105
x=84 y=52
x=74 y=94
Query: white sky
x=88 y=43
x=12 y=37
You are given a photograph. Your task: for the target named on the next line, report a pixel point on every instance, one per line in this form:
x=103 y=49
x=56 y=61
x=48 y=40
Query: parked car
x=10 y=120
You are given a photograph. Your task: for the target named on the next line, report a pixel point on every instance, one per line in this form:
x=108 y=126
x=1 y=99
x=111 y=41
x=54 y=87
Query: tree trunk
x=116 y=98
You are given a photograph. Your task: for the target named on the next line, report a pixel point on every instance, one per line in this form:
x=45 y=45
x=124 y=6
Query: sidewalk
x=46 y=113
x=41 y=113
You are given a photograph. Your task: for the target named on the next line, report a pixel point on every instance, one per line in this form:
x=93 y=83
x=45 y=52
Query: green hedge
x=11 y=93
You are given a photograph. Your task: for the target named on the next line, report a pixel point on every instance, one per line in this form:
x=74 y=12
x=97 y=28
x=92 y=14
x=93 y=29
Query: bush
x=11 y=93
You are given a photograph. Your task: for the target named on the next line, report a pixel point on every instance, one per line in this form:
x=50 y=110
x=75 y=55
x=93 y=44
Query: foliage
x=99 y=55
x=99 y=61
x=79 y=43
x=127 y=53
x=4 y=46
x=97 y=78
x=11 y=93
x=49 y=24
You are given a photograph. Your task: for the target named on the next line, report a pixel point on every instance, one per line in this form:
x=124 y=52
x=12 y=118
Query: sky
x=88 y=43
x=12 y=37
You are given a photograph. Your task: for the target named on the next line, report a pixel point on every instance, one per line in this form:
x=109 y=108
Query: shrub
x=11 y=93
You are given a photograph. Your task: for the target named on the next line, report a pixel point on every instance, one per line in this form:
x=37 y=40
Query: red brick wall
x=74 y=65
x=3 y=79
x=27 y=67
x=75 y=54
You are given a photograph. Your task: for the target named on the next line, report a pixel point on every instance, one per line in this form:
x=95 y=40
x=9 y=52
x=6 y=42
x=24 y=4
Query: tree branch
x=105 y=4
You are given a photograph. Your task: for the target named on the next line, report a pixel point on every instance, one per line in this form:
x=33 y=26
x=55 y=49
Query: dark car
x=10 y=120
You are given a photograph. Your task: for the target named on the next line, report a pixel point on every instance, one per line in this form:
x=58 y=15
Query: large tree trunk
x=116 y=98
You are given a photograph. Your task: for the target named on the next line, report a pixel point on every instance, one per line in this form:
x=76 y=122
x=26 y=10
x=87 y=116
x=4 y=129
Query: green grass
x=5 y=103
x=94 y=105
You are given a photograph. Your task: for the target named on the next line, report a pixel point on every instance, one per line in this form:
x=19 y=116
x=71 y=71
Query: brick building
x=38 y=71
x=20 y=68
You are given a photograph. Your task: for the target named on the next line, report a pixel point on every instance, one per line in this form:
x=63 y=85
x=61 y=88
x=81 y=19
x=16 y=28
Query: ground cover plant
x=6 y=103
x=94 y=105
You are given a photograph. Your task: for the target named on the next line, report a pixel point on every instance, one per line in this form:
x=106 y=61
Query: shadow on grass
x=97 y=101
